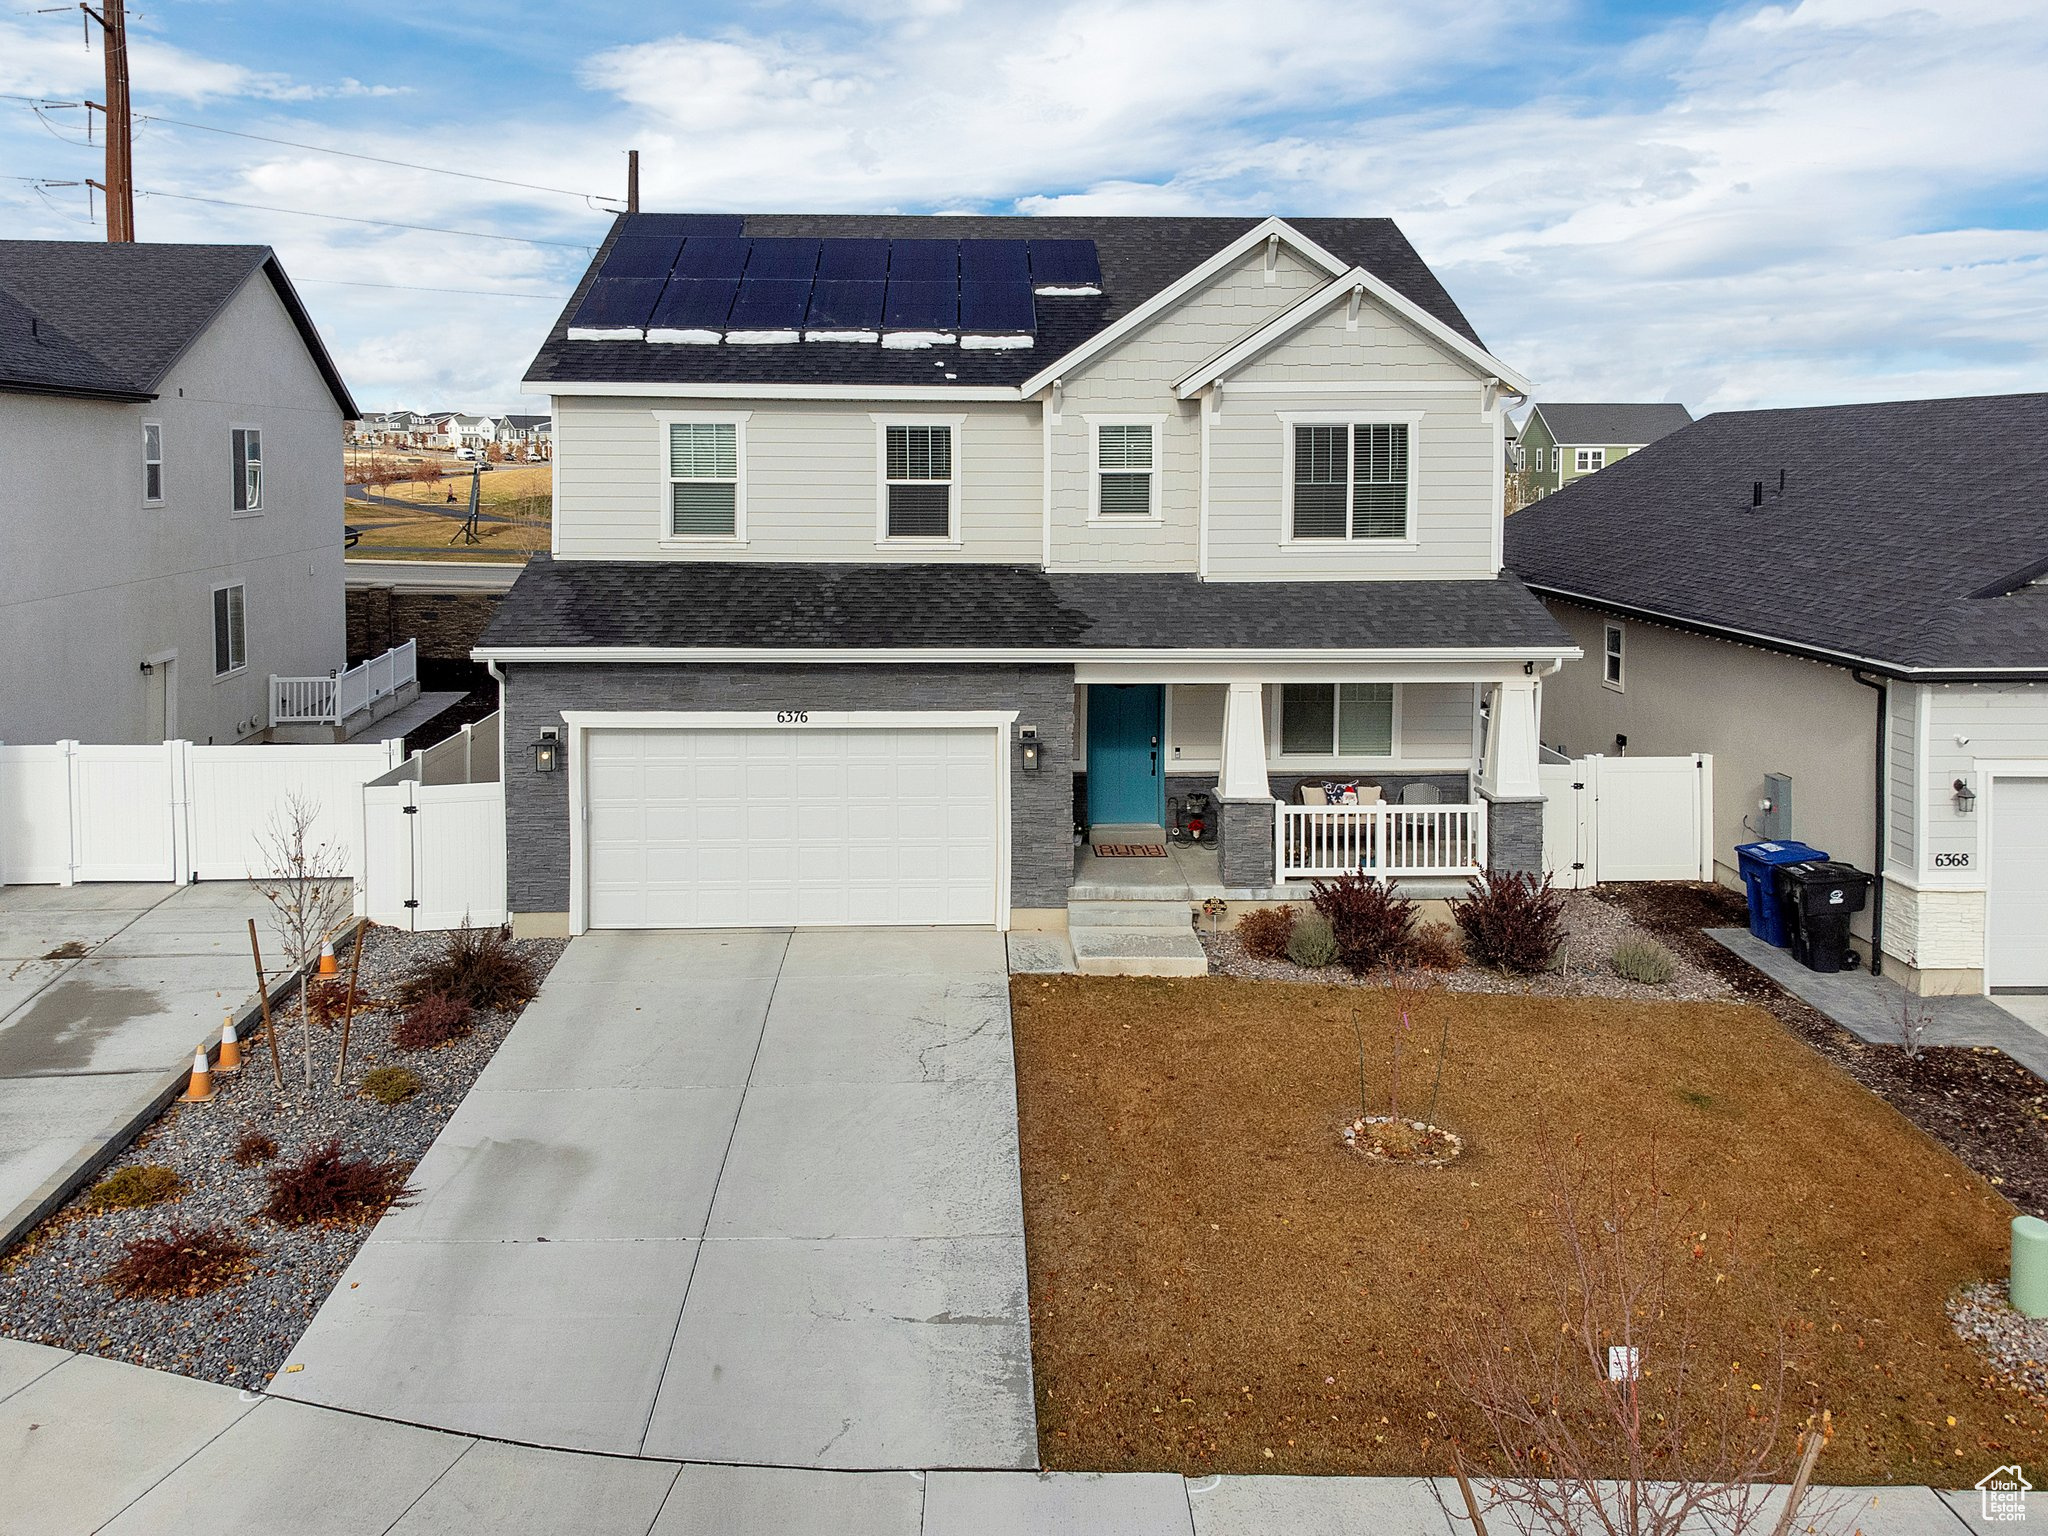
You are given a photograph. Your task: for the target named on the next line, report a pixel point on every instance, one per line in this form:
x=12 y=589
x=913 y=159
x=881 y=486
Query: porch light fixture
x=547 y=752
x=1964 y=799
x=1027 y=740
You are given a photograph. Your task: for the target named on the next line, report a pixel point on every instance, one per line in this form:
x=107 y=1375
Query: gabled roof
x=1911 y=537
x=1140 y=257
x=641 y=606
x=1620 y=426
x=108 y=321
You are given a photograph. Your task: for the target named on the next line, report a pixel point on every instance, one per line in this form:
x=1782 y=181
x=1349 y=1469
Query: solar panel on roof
x=769 y=308
x=692 y=309
x=998 y=308
x=1065 y=266
x=854 y=260
x=780 y=258
x=845 y=308
x=679 y=226
x=709 y=256
x=913 y=305
x=641 y=256
x=614 y=309
x=926 y=261
x=993 y=261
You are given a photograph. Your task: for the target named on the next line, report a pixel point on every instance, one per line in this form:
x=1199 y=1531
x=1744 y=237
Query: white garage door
x=2017 y=919
x=805 y=826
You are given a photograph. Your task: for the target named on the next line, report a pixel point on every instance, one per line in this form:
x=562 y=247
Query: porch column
x=1244 y=745
x=1508 y=779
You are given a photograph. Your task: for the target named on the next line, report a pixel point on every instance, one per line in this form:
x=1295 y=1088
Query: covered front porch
x=1256 y=785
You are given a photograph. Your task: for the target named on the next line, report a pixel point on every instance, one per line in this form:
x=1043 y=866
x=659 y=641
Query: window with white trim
x=1123 y=469
x=703 y=480
x=918 y=482
x=1351 y=480
x=1610 y=657
x=1521 y=457
x=1586 y=460
x=248 y=455
x=1557 y=461
x=152 y=462
x=230 y=631
x=1337 y=720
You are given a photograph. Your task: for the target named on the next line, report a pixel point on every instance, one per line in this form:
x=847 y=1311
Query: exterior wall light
x=547 y=752
x=1027 y=739
x=1965 y=798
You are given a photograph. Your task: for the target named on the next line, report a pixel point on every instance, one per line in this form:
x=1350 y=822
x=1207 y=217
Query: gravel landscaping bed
x=2016 y=1344
x=50 y=1284
x=1593 y=928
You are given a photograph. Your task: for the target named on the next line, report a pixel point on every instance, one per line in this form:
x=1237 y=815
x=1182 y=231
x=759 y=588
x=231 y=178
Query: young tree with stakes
x=310 y=896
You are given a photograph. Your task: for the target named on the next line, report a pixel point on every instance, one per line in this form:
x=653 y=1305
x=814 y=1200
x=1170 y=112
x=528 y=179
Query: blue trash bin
x=1757 y=861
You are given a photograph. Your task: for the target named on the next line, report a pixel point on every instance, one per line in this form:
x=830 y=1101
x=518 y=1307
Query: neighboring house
x=1511 y=444
x=1562 y=443
x=527 y=433
x=171 y=427
x=880 y=564
x=1854 y=597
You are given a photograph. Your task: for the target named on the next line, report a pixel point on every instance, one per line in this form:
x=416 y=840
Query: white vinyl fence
x=1627 y=818
x=434 y=829
x=72 y=812
x=1316 y=841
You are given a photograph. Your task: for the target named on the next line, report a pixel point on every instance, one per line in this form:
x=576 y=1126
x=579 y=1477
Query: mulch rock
x=51 y=1289
x=2016 y=1344
x=1593 y=928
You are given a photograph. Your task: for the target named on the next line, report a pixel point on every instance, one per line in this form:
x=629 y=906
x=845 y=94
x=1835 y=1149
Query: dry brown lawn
x=1213 y=1278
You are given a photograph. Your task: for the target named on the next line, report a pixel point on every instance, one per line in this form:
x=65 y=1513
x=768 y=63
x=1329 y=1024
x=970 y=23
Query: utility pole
x=120 y=183
x=632 y=181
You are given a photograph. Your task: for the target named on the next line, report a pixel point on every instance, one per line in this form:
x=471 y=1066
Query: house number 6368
x=792 y=717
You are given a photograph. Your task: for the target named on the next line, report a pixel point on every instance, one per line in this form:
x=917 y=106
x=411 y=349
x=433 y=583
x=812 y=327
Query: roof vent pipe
x=1781 y=481
x=1756 y=494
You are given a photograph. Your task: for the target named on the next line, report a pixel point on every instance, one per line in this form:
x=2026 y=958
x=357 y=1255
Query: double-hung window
x=152 y=462
x=1125 y=466
x=230 y=633
x=703 y=480
x=248 y=454
x=1586 y=460
x=1610 y=657
x=919 y=481
x=1351 y=480
x=1337 y=720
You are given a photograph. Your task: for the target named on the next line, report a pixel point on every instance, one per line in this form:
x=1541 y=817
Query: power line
x=487 y=293
x=343 y=218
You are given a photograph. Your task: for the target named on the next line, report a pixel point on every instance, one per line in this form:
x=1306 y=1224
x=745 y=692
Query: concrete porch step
x=1138 y=951
x=1171 y=913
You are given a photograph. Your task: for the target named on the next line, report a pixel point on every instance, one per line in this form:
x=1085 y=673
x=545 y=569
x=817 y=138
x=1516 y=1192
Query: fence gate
x=434 y=854
x=1628 y=818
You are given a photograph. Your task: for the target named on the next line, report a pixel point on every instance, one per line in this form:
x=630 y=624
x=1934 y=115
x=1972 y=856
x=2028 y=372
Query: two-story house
x=1560 y=443
x=889 y=551
x=171 y=427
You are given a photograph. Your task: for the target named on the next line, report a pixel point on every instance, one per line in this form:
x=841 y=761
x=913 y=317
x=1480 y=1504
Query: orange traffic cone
x=328 y=965
x=201 y=1088
x=230 y=1048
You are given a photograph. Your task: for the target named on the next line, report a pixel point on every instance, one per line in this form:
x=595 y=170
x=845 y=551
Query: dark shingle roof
x=700 y=604
x=1907 y=534
x=1620 y=425
x=1140 y=256
x=109 y=320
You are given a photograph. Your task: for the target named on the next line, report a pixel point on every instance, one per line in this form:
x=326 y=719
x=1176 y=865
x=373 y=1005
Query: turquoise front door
x=1126 y=724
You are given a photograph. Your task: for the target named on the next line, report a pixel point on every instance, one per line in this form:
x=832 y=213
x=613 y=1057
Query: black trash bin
x=1818 y=897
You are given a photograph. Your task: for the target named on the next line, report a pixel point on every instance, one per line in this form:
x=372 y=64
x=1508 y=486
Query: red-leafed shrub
x=253 y=1148
x=480 y=966
x=1265 y=931
x=436 y=1019
x=1512 y=920
x=182 y=1261
x=1370 y=921
x=326 y=1186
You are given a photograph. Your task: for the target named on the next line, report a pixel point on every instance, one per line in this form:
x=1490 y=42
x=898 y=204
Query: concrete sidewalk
x=92 y=1445
x=104 y=992
x=739 y=1196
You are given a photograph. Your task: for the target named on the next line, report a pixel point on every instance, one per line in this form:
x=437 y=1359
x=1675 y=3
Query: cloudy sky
x=1729 y=205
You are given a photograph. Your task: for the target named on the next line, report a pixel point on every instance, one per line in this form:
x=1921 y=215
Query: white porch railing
x=331 y=700
x=1321 y=841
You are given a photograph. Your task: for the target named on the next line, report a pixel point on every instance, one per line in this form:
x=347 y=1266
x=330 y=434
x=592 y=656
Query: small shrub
x=435 y=1020
x=134 y=1187
x=254 y=1147
x=1370 y=921
x=1436 y=947
x=325 y=1186
x=1641 y=958
x=183 y=1261
x=1264 y=933
x=480 y=966
x=1312 y=945
x=1512 y=920
x=391 y=1085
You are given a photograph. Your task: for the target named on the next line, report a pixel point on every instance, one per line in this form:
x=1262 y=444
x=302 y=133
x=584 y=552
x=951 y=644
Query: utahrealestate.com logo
x=2004 y=1493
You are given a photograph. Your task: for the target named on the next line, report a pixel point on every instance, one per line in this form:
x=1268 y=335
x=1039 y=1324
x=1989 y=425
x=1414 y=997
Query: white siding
x=1380 y=348
x=92 y=581
x=1901 y=774
x=1433 y=721
x=811 y=480
x=1999 y=722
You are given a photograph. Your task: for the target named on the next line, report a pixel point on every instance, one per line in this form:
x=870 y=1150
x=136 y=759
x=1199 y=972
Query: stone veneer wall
x=1514 y=835
x=1246 y=854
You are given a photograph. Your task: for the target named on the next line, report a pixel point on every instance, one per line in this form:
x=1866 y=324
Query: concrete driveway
x=737 y=1197
x=104 y=991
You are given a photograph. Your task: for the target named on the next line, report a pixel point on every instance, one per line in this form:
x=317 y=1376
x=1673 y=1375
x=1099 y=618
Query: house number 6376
x=792 y=717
